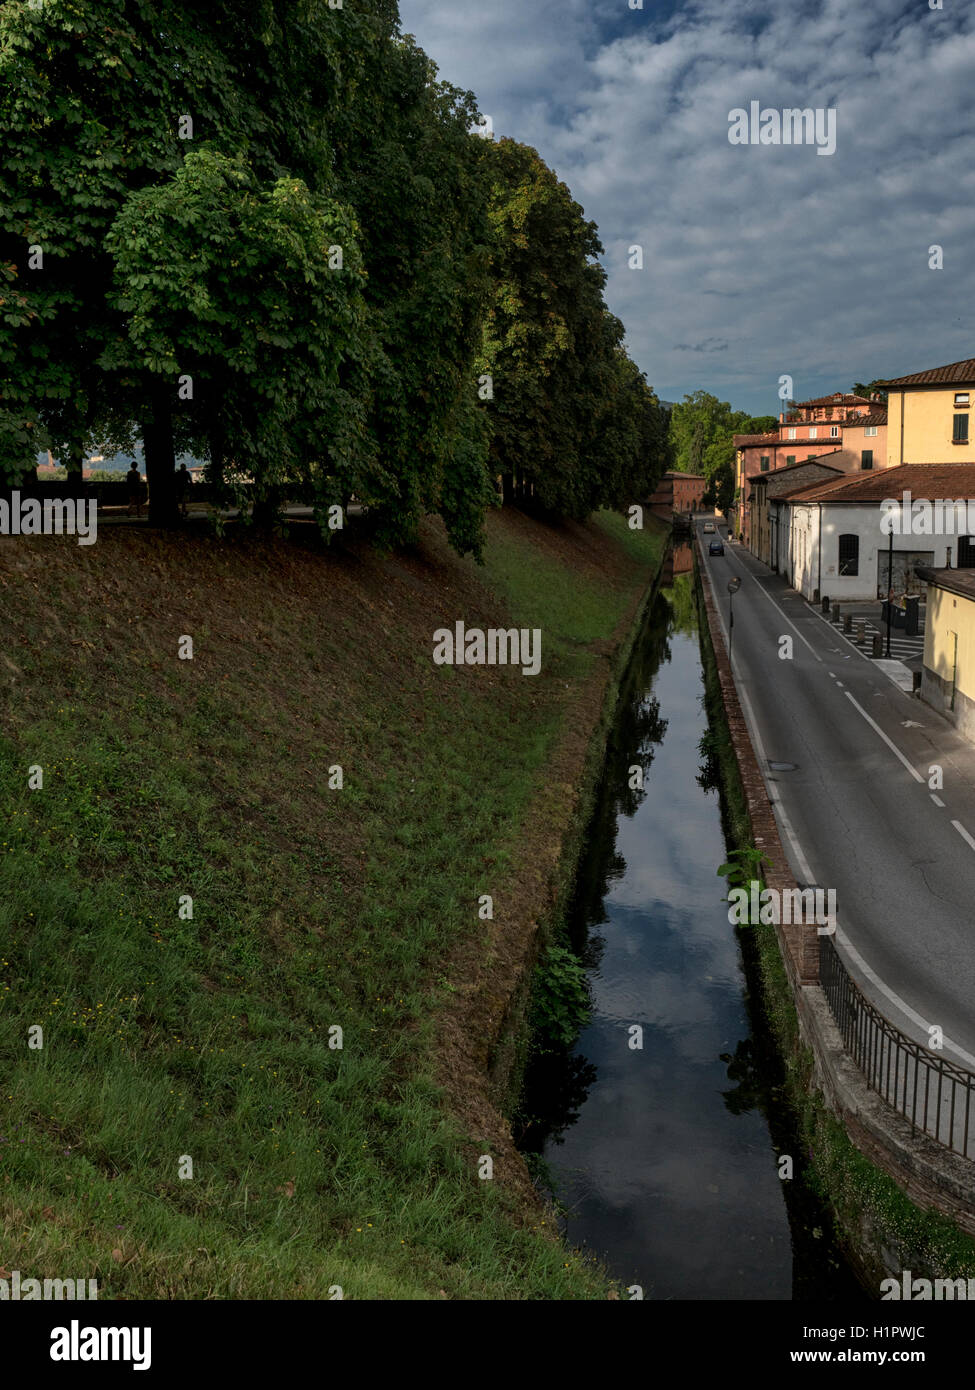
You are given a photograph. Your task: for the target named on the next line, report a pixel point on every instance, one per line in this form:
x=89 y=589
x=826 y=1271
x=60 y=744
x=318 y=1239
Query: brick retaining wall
x=931 y=1175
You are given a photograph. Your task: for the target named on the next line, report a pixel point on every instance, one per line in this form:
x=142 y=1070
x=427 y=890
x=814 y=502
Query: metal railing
x=935 y=1095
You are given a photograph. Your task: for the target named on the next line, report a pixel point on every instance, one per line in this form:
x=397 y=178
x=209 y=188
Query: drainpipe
x=819 y=554
x=903 y=393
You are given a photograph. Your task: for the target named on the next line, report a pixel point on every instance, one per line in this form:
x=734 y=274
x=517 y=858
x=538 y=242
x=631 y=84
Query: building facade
x=929 y=415
x=677 y=492
x=832 y=539
x=948 y=669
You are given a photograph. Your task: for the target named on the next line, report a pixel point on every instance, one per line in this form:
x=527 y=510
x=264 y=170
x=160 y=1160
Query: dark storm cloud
x=815 y=266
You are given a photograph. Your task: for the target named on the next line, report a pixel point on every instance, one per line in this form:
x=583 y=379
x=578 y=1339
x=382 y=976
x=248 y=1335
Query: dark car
x=716 y=547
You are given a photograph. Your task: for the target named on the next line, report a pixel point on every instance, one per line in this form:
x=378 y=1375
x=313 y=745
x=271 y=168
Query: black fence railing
x=935 y=1095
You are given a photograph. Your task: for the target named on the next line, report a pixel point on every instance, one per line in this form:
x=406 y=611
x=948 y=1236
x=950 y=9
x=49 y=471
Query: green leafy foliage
x=561 y=1004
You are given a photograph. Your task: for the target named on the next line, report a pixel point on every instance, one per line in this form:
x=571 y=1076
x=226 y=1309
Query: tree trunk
x=75 y=462
x=157 y=438
x=507 y=488
x=266 y=508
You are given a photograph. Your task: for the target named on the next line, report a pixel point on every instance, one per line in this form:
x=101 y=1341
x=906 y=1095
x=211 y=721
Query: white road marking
x=896 y=1000
x=781 y=816
x=889 y=742
x=937 y=800
x=964 y=833
x=778 y=610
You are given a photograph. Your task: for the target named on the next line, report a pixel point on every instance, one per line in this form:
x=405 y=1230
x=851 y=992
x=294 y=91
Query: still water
x=665 y=1158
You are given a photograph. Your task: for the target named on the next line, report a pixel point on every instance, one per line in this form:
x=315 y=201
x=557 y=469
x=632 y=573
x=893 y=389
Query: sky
x=759 y=260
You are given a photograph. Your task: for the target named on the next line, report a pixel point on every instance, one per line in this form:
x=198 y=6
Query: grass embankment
x=868 y=1207
x=169 y=1038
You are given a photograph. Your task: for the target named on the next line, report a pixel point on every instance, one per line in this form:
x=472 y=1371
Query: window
x=959 y=434
x=849 y=554
x=813 y=432
x=765 y=463
x=870 y=429
x=961 y=399
x=834 y=431
x=966 y=552
x=790 y=458
x=790 y=434
x=866 y=458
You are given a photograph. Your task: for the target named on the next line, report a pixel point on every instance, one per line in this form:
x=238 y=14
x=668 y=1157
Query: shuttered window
x=960 y=431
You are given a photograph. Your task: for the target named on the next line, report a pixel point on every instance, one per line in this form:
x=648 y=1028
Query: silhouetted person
x=134 y=480
x=183 y=485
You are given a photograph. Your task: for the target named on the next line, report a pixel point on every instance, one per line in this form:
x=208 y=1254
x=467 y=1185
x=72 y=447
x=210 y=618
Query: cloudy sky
x=759 y=260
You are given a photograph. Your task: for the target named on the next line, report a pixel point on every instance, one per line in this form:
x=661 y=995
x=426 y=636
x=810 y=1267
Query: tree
x=876 y=387
x=91 y=98
x=254 y=294
x=574 y=423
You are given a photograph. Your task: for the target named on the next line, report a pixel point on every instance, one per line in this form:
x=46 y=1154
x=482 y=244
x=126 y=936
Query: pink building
x=849 y=432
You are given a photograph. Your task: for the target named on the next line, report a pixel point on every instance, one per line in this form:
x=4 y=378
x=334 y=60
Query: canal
x=659 y=1132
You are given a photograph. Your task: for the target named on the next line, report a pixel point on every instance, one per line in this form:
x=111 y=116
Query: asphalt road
x=857 y=814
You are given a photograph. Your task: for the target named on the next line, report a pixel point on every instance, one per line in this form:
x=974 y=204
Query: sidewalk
x=907 y=650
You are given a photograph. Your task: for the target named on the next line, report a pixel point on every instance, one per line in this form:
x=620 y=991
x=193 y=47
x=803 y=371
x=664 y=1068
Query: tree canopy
x=265 y=231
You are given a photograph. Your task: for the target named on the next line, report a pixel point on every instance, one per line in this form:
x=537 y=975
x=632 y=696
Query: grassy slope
x=313 y=1166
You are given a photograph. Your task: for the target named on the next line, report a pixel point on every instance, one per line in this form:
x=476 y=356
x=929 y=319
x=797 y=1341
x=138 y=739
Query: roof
x=677 y=473
x=742 y=441
x=955 y=372
x=875 y=417
x=955 y=581
x=838 y=399
x=803 y=463
x=924 y=481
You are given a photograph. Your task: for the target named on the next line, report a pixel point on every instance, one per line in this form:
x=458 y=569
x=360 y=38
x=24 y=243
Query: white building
x=835 y=538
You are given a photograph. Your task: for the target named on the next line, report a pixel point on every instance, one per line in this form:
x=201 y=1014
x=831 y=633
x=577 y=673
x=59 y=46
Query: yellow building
x=948 y=672
x=928 y=416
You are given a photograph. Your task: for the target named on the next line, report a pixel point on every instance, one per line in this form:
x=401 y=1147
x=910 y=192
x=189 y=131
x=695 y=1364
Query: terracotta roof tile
x=839 y=398
x=955 y=373
x=875 y=417
x=922 y=480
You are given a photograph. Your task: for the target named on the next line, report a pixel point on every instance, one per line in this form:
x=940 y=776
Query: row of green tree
x=702 y=431
x=264 y=232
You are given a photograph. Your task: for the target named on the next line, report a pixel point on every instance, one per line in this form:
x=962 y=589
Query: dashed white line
x=937 y=800
x=778 y=610
x=803 y=864
x=889 y=742
x=964 y=833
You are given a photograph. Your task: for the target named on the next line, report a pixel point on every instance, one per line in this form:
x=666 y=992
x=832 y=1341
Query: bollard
x=825 y=604
x=861 y=632
x=836 y=612
x=847 y=622
x=878 y=645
